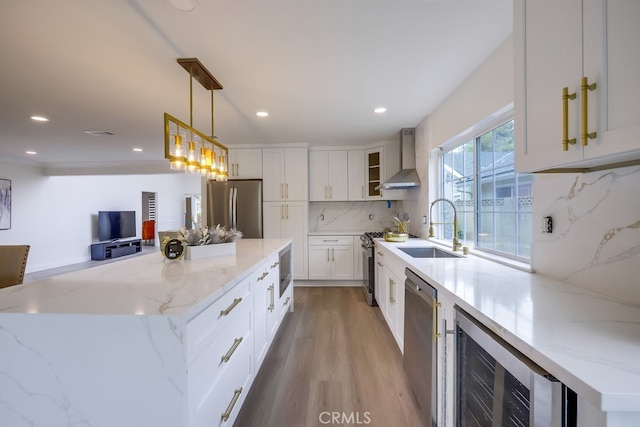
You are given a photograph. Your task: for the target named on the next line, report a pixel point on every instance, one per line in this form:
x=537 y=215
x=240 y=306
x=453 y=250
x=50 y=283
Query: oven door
x=368 y=278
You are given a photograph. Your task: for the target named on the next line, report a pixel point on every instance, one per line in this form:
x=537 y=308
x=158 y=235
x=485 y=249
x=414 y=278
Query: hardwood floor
x=334 y=362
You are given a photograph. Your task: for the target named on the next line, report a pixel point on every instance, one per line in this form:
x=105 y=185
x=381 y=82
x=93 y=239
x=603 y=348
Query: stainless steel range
x=368 y=260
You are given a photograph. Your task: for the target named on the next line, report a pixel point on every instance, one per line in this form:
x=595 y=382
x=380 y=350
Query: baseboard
x=327 y=283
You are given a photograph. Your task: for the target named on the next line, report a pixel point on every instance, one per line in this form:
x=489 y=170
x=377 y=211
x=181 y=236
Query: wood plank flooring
x=334 y=362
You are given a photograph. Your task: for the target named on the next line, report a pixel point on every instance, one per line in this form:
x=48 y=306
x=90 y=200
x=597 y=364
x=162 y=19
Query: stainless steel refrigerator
x=236 y=205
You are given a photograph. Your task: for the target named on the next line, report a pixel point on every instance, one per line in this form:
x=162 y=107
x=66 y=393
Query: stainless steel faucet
x=456 y=243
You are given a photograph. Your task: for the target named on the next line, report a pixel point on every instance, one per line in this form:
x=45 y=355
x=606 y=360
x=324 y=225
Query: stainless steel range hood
x=408 y=176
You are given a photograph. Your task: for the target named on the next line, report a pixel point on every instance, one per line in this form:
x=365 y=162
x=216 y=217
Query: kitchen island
x=141 y=341
x=588 y=341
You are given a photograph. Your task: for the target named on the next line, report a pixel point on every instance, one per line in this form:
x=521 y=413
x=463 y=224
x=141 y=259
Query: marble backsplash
x=595 y=243
x=351 y=216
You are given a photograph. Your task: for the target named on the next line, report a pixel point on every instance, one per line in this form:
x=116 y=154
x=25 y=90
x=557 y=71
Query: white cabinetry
x=285 y=174
x=266 y=280
x=355 y=160
x=245 y=163
x=331 y=258
x=289 y=220
x=220 y=358
x=557 y=44
x=389 y=292
x=381 y=162
x=328 y=175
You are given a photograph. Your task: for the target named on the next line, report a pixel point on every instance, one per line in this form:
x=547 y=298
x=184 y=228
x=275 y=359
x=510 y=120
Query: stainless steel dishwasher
x=420 y=334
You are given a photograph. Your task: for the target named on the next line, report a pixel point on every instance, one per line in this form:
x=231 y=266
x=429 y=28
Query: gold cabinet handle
x=585 y=135
x=392 y=291
x=236 y=343
x=566 y=96
x=379 y=253
x=379 y=263
x=262 y=276
x=271 y=296
x=236 y=395
x=436 y=333
x=236 y=301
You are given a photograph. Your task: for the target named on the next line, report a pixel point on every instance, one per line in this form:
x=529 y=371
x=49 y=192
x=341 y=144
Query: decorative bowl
x=395 y=237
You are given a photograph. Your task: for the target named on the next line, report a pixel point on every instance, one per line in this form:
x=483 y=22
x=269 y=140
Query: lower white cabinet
x=389 y=292
x=331 y=258
x=220 y=352
x=228 y=341
x=265 y=298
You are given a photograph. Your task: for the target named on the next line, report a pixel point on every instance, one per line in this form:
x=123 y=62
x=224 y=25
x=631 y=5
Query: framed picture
x=5 y=204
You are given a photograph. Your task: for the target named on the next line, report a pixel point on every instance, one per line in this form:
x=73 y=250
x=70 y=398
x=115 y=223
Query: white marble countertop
x=143 y=285
x=588 y=341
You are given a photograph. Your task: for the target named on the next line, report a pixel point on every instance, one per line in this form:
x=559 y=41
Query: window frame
x=473 y=134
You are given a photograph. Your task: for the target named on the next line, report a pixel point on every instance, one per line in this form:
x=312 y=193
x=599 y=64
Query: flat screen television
x=114 y=225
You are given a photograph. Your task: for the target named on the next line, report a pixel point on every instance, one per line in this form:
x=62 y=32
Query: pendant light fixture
x=186 y=148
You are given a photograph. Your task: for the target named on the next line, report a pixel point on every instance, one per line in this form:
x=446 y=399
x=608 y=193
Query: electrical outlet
x=547 y=224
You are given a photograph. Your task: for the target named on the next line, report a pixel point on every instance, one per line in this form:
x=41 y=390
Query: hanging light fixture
x=186 y=148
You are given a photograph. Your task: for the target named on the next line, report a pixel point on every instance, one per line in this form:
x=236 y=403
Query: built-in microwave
x=496 y=385
x=285 y=269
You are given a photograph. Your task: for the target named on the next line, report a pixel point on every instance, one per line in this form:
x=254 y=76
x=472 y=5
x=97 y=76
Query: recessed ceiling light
x=39 y=119
x=380 y=110
x=262 y=114
x=31 y=152
x=184 y=5
x=139 y=150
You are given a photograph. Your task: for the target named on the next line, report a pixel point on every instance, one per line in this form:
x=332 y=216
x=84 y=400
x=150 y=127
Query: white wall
x=57 y=215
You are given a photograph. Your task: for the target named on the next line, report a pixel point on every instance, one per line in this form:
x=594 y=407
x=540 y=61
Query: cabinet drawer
x=203 y=328
x=208 y=401
x=331 y=240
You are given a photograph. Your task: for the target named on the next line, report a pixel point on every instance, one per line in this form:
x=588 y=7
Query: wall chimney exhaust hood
x=408 y=176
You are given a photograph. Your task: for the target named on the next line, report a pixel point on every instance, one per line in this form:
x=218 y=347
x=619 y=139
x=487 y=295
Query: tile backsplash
x=595 y=243
x=351 y=216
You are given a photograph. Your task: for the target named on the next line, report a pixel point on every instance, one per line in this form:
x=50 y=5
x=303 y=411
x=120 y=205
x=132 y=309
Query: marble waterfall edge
x=209 y=251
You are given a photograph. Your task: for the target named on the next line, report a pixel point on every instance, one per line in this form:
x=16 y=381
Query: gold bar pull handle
x=585 y=135
x=226 y=414
x=236 y=343
x=236 y=301
x=566 y=96
x=436 y=330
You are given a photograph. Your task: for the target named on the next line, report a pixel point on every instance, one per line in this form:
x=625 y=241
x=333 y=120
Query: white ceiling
x=318 y=67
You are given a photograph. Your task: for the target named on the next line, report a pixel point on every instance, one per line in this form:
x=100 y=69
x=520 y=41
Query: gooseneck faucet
x=456 y=243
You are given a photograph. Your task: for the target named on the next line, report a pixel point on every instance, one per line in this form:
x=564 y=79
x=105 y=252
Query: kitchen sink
x=428 y=252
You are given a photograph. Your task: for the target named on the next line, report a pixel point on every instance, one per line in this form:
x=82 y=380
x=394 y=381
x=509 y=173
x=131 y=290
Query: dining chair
x=13 y=262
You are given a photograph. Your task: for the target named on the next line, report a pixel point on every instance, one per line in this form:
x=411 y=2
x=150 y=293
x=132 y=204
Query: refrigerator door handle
x=235 y=209
x=231 y=206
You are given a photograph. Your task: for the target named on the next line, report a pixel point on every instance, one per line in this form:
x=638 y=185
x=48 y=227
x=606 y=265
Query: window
x=493 y=202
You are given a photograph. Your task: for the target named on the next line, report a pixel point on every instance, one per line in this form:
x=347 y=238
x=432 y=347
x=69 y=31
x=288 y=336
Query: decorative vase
x=209 y=251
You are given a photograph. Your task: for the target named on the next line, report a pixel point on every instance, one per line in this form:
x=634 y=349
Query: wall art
x=5 y=204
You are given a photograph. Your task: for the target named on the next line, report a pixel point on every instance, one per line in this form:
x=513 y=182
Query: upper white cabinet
x=245 y=163
x=328 y=175
x=589 y=47
x=355 y=179
x=285 y=174
x=381 y=162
